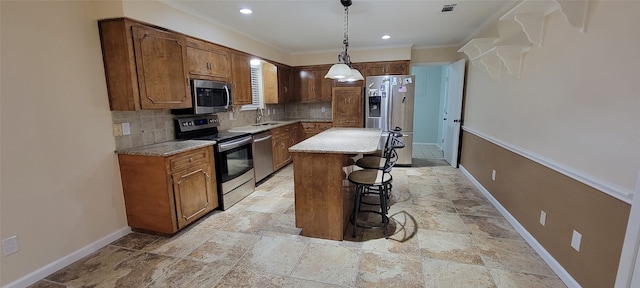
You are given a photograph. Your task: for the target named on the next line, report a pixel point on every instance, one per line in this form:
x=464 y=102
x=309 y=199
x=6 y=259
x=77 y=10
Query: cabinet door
x=324 y=93
x=347 y=107
x=307 y=83
x=270 y=83
x=162 y=69
x=241 y=79
x=387 y=68
x=193 y=193
x=281 y=153
x=209 y=60
x=398 y=68
x=284 y=84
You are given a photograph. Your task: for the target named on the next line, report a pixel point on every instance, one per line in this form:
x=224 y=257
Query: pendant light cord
x=344 y=56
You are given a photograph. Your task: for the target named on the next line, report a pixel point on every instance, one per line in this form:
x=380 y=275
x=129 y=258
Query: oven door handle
x=234 y=144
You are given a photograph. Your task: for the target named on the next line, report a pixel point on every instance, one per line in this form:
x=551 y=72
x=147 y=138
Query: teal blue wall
x=427 y=107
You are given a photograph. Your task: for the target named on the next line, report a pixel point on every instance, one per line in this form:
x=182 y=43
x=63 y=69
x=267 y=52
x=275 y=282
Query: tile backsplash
x=319 y=110
x=147 y=127
x=155 y=126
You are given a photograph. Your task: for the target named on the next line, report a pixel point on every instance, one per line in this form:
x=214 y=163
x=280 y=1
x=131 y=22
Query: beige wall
x=577 y=101
x=426 y=55
x=60 y=183
x=363 y=55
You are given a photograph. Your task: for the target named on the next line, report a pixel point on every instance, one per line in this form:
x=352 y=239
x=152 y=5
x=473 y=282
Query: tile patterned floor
x=427 y=151
x=445 y=234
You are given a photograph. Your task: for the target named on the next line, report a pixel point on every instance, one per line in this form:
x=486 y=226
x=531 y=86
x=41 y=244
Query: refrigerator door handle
x=390 y=106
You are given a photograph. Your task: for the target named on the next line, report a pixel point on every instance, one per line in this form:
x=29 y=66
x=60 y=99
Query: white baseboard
x=552 y=262
x=421 y=143
x=56 y=265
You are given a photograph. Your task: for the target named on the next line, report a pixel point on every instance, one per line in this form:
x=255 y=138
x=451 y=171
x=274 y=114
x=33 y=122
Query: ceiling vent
x=448 y=7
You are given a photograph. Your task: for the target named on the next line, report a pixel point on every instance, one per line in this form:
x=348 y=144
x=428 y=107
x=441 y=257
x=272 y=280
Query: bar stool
x=377 y=160
x=375 y=182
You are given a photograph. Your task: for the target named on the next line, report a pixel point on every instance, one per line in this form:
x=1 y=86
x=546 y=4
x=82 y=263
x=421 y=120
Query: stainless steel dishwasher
x=262 y=155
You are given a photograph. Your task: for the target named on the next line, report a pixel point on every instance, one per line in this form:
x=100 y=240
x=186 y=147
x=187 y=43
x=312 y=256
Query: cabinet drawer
x=323 y=125
x=308 y=126
x=280 y=132
x=188 y=159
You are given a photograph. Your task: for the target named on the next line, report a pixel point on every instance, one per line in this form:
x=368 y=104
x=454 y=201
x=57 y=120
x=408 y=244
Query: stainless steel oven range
x=233 y=156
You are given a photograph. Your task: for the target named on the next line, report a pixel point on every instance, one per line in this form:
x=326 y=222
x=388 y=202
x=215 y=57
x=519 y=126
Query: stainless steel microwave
x=208 y=97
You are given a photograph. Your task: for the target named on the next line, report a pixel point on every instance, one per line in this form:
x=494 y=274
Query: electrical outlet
x=126 y=128
x=543 y=217
x=117 y=129
x=10 y=245
x=493 y=175
x=575 y=240
x=230 y=115
x=323 y=109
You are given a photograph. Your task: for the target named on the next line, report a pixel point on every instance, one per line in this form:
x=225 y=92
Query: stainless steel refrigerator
x=389 y=104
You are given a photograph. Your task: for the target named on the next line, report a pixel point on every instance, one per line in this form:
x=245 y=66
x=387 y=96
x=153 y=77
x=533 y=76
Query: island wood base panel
x=323 y=194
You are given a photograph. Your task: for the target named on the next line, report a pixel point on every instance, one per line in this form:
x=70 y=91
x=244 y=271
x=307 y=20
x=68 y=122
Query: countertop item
x=166 y=148
x=267 y=125
x=341 y=141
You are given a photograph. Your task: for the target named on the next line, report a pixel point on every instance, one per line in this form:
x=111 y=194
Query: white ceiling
x=307 y=26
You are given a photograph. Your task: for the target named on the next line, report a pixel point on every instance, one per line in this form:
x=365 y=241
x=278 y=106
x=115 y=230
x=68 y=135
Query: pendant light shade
x=339 y=71
x=355 y=76
x=342 y=71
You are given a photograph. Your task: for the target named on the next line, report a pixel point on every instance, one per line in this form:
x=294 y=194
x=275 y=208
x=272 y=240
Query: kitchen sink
x=265 y=124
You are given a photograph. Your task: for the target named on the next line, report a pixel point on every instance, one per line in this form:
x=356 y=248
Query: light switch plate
x=575 y=240
x=10 y=245
x=543 y=217
x=117 y=129
x=126 y=128
x=493 y=175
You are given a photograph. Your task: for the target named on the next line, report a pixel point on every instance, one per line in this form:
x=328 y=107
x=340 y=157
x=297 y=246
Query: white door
x=629 y=266
x=453 y=111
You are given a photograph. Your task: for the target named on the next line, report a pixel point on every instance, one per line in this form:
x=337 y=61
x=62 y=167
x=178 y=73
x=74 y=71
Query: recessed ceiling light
x=246 y=11
x=385 y=37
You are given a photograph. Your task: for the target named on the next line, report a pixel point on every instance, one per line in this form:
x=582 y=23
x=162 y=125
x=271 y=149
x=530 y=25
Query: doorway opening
x=437 y=104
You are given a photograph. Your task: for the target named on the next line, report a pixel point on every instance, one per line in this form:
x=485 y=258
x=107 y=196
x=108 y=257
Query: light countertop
x=165 y=149
x=267 y=125
x=341 y=141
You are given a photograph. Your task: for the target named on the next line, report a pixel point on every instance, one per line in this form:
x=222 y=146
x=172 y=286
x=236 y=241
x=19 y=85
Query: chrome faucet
x=259 y=114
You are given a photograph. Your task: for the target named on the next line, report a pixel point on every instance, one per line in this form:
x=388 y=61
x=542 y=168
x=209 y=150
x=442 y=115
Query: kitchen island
x=321 y=165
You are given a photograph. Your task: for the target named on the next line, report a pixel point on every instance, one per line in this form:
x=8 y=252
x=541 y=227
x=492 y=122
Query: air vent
x=448 y=7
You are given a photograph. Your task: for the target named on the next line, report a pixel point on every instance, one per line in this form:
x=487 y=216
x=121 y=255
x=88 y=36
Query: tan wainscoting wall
x=524 y=187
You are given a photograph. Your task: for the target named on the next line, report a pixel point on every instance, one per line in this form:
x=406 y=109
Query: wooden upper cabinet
x=325 y=85
x=145 y=67
x=306 y=85
x=386 y=68
x=311 y=84
x=285 y=84
x=347 y=107
x=270 y=83
x=241 y=68
x=208 y=61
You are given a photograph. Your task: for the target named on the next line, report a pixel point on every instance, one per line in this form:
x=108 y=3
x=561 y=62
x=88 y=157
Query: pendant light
x=342 y=71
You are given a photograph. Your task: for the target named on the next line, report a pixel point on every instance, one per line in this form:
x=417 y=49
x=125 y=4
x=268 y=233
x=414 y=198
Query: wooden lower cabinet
x=347 y=107
x=165 y=194
x=283 y=138
x=312 y=128
x=281 y=141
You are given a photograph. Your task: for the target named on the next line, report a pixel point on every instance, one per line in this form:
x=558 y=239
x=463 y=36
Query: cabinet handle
x=191 y=159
